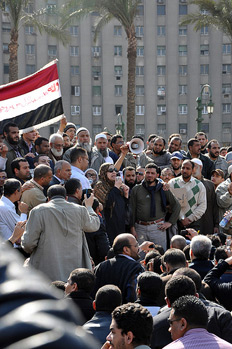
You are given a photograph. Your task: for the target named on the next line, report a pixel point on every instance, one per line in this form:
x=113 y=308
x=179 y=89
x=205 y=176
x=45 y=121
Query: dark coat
x=84 y=302
x=201 y=266
x=210 y=218
x=99 y=325
x=54 y=181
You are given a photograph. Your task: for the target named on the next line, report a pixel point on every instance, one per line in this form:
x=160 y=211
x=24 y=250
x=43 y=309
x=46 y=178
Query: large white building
x=173 y=62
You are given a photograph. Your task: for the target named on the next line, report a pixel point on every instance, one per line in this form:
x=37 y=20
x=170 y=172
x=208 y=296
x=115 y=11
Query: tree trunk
x=131 y=56
x=13 y=61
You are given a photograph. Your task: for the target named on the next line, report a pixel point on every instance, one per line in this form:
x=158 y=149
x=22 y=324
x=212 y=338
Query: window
x=183 y=129
x=161 y=30
x=161 y=50
x=118 y=50
x=74 y=30
x=96 y=90
x=97 y=110
x=226 y=88
x=226 y=49
x=52 y=50
x=204 y=69
x=6 y=27
x=96 y=71
x=118 y=30
x=118 y=109
x=161 y=10
x=183 y=50
x=97 y=129
x=161 y=109
x=5 y=48
x=30 y=49
x=51 y=7
x=6 y=69
x=183 y=30
x=226 y=68
x=139 y=31
x=139 y=109
x=96 y=51
x=140 y=129
x=205 y=127
x=75 y=110
x=183 y=70
x=30 y=69
x=140 y=10
x=29 y=30
x=204 y=50
x=161 y=70
x=226 y=127
x=226 y=108
x=118 y=70
x=74 y=51
x=139 y=70
x=161 y=91
x=75 y=90
x=140 y=51
x=75 y=70
x=118 y=90
x=183 y=10
x=139 y=90
x=183 y=89
x=161 y=129
x=205 y=30
x=29 y=8
x=204 y=12
x=183 y=109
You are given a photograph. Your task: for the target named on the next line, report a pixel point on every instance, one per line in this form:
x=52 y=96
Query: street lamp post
x=209 y=105
x=120 y=126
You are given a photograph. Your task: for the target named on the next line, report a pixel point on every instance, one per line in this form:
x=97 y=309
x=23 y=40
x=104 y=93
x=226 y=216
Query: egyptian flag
x=32 y=102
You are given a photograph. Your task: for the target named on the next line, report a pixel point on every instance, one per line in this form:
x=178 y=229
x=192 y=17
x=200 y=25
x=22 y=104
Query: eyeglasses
x=91 y=175
x=120 y=142
x=171 y=321
x=139 y=173
x=136 y=245
x=112 y=170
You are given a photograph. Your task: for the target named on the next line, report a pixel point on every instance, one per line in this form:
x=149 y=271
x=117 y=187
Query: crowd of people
x=132 y=240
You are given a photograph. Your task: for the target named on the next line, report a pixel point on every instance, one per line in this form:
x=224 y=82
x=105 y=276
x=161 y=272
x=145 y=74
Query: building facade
x=173 y=62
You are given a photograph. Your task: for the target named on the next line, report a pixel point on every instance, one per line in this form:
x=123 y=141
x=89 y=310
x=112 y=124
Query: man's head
x=175 y=144
x=178 y=241
x=223 y=151
x=56 y=144
x=3 y=177
x=174 y=258
x=107 y=298
x=116 y=143
x=29 y=137
x=83 y=138
x=202 y=138
x=126 y=244
x=213 y=149
x=12 y=189
x=41 y=159
x=187 y=170
x=80 y=279
x=176 y=160
x=194 y=147
x=62 y=170
x=151 y=173
x=101 y=144
x=131 y=326
x=43 y=175
x=66 y=140
x=197 y=170
x=200 y=247
x=79 y=158
x=73 y=187
x=149 y=285
x=217 y=177
x=129 y=176
x=159 y=145
x=179 y=286
x=108 y=136
x=11 y=133
x=140 y=174
x=166 y=174
x=150 y=141
x=20 y=168
x=42 y=145
x=56 y=190
x=92 y=176
x=70 y=130
x=192 y=274
x=187 y=312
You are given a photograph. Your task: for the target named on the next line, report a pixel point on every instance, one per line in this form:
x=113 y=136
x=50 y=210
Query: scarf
x=152 y=190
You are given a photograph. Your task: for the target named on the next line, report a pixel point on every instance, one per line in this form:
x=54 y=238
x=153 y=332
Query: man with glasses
x=79 y=163
x=117 y=144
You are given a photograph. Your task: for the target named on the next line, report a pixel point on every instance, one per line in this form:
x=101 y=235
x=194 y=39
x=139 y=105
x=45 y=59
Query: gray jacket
x=221 y=164
x=162 y=160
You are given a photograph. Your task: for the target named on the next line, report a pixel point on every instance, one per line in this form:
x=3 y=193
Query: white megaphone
x=136 y=145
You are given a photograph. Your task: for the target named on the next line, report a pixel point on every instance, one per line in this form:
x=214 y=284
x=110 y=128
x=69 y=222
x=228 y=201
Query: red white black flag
x=32 y=101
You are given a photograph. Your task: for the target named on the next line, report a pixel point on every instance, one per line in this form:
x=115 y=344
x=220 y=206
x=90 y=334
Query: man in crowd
x=200 y=248
x=194 y=204
x=41 y=159
x=129 y=176
x=74 y=191
x=56 y=147
x=70 y=130
x=100 y=153
x=166 y=174
x=27 y=143
x=203 y=140
x=224 y=197
x=140 y=174
x=159 y=156
x=175 y=145
x=21 y=170
x=150 y=143
x=83 y=141
x=176 y=161
x=130 y=328
x=62 y=172
x=79 y=163
x=63 y=248
x=8 y=215
x=3 y=177
x=217 y=177
x=194 y=151
x=42 y=146
x=116 y=143
x=149 y=207
x=219 y=161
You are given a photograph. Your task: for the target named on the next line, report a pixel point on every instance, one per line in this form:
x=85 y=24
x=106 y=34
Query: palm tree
x=18 y=17
x=215 y=13
x=124 y=11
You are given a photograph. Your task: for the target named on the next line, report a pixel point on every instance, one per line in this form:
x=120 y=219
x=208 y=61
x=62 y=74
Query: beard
x=104 y=152
x=12 y=141
x=130 y=185
x=86 y=146
x=57 y=152
x=214 y=156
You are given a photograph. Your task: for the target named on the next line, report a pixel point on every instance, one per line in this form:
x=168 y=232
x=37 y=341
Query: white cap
x=100 y=135
x=197 y=161
x=229 y=170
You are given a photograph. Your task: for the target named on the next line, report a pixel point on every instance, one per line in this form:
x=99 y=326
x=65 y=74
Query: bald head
x=126 y=244
x=178 y=241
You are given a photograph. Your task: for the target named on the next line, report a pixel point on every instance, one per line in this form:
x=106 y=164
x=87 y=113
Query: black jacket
x=84 y=302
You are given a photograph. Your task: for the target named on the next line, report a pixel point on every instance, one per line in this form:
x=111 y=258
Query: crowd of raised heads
x=114 y=244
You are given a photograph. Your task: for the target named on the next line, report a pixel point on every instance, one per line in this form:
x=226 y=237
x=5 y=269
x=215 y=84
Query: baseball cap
x=219 y=172
x=177 y=155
